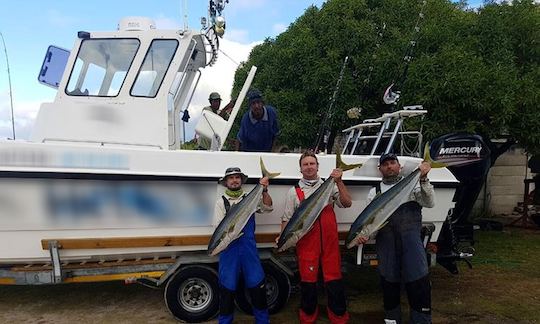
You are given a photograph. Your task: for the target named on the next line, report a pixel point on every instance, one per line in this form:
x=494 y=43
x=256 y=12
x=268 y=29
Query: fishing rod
x=354 y=113
x=393 y=92
x=324 y=132
x=10 y=90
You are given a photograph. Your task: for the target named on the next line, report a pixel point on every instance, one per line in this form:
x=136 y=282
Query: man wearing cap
x=259 y=126
x=215 y=101
x=401 y=254
x=241 y=256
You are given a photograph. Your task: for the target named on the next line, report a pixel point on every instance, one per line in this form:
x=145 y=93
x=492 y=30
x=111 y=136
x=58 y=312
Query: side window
x=154 y=67
x=53 y=66
x=101 y=67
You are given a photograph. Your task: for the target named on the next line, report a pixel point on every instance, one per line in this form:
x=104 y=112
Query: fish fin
x=265 y=172
x=429 y=159
x=343 y=166
x=231 y=227
x=301 y=224
x=237 y=237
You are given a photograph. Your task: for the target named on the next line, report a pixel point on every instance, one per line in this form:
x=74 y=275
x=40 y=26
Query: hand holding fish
x=264 y=182
x=362 y=240
x=344 y=195
x=424 y=167
x=266 y=199
x=336 y=174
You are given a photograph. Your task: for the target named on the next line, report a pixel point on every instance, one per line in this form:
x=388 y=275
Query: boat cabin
x=127 y=87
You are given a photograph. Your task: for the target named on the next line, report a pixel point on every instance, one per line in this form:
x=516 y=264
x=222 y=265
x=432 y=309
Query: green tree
x=474 y=70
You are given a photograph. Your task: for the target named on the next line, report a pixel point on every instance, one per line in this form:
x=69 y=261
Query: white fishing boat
x=103 y=178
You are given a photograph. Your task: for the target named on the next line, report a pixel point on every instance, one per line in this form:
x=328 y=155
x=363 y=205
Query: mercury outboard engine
x=469 y=159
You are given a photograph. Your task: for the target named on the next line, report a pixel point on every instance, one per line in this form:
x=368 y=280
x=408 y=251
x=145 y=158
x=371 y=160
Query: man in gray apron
x=401 y=254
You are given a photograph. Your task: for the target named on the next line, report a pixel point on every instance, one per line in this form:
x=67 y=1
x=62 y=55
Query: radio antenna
x=9 y=81
x=184 y=8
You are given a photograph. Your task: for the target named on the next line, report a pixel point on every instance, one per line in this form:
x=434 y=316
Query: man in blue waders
x=241 y=256
x=401 y=254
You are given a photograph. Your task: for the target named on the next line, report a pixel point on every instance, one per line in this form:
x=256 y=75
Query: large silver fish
x=309 y=210
x=376 y=214
x=231 y=226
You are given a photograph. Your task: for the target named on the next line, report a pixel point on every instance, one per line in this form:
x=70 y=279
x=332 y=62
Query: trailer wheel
x=278 y=289
x=192 y=294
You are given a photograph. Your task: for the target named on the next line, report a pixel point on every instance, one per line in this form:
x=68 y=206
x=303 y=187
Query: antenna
x=9 y=81
x=184 y=5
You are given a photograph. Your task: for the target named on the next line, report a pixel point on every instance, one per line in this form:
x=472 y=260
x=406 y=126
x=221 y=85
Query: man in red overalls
x=320 y=246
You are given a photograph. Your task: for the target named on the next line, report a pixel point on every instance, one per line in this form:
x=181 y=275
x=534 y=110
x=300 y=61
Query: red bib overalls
x=320 y=248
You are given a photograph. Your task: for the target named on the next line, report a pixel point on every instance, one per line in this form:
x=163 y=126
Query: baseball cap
x=387 y=156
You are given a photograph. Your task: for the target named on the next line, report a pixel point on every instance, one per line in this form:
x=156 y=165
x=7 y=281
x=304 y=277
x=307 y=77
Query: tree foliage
x=474 y=70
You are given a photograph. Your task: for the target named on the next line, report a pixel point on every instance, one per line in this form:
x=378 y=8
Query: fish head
x=218 y=245
x=352 y=243
x=281 y=242
x=289 y=241
x=353 y=237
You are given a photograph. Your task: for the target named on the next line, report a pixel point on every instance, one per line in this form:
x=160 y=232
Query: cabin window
x=101 y=67
x=154 y=68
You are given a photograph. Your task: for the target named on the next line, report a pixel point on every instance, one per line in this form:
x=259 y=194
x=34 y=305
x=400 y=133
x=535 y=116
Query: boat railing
x=390 y=126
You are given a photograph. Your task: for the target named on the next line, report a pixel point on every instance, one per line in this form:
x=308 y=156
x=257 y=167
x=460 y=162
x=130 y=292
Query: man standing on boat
x=241 y=256
x=215 y=103
x=401 y=254
x=319 y=248
x=259 y=126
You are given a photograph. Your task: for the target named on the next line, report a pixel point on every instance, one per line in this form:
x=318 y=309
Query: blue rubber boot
x=261 y=316
x=225 y=319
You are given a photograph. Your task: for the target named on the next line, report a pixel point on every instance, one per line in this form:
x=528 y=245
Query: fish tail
x=429 y=159
x=343 y=166
x=265 y=172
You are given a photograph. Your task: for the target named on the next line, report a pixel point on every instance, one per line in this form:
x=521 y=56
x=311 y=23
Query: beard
x=234 y=187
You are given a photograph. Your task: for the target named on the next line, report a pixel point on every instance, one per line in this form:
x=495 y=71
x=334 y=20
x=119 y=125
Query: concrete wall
x=505 y=183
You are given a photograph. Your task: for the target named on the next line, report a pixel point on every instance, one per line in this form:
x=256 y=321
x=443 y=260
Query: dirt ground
x=502 y=287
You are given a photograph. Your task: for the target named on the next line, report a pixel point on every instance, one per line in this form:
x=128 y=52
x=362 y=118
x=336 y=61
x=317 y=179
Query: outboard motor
x=469 y=159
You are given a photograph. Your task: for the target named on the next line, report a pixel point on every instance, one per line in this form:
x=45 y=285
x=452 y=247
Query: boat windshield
x=101 y=67
x=155 y=66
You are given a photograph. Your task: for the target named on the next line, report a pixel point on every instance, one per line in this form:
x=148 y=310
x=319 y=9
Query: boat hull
x=150 y=203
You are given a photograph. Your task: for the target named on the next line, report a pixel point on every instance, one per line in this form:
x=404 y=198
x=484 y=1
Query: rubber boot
x=392 y=316
x=226 y=305
x=225 y=319
x=337 y=319
x=308 y=318
x=261 y=316
x=420 y=318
